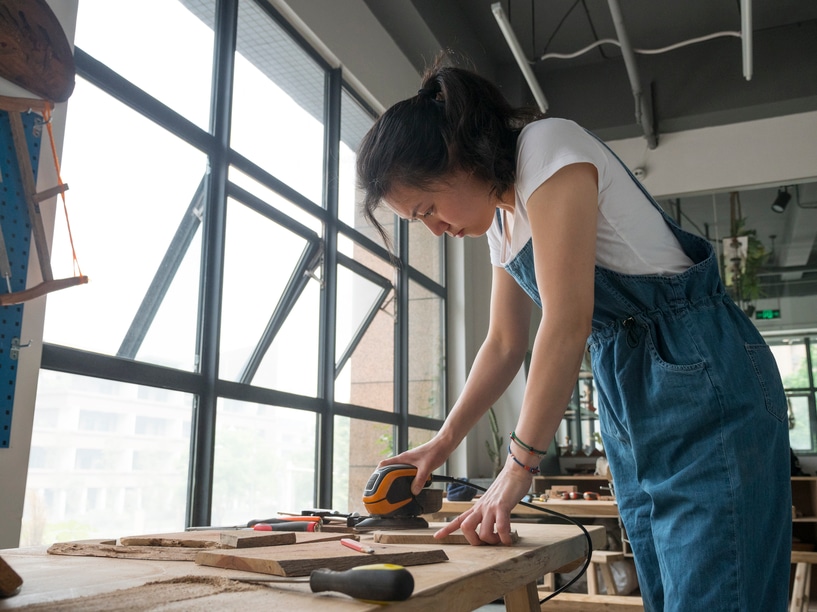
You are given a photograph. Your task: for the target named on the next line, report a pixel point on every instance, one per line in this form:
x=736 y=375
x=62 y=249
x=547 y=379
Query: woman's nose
x=436 y=226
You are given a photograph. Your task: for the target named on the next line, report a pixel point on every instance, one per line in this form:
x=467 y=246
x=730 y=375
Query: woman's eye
x=428 y=213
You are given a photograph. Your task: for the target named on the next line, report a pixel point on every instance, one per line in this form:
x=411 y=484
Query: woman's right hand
x=426 y=458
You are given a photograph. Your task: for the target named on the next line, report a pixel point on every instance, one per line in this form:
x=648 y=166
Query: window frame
x=204 y=383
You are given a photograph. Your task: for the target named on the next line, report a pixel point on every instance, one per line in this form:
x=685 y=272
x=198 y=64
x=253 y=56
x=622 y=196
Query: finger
x=469 y=528
x=452 y=526
x=419 y=482
x=503 y=530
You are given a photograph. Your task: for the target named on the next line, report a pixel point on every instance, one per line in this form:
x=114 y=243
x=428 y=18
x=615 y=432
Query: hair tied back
x=430 y=93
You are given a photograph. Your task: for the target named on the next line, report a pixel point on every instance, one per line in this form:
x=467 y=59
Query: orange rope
x=47 y=121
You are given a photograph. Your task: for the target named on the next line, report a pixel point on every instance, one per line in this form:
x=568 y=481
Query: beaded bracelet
x=528 y=448
x=532 y=470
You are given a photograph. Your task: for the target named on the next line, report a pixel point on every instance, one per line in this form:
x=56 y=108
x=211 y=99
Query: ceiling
x=691 y=86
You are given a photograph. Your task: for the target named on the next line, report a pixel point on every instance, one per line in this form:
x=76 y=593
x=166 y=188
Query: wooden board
x=424 y=536
x=175 y=552
x=210 y=539
x=36 y=54
x=109 y=548
x=300 y=560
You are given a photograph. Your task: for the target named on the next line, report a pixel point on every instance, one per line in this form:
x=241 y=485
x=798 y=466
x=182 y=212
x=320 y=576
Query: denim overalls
x=694 y=422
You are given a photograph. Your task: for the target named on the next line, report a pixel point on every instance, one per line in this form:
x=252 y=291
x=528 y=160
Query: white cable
x=613 y=41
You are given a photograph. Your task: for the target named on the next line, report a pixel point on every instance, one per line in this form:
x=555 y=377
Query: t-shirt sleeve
x=547 y=146
x=494 y=242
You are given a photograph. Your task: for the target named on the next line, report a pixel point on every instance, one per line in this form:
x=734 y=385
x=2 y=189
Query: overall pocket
x=768 y=377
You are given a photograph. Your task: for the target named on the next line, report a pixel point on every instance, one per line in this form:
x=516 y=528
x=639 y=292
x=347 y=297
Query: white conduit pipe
x=519 y=55
x=642 y=110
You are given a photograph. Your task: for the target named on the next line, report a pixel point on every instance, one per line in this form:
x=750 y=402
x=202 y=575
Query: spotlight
x=782 y=200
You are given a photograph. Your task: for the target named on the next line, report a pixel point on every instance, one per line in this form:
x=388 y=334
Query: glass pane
x=140 y=41
x=123 y=226
x=790 y=356
x=355 y=121
x=264 y=464
x=359 y=301
x=260 y=261
x=353 y=463
x=274 y=200
x=367 y=377
x=426 y=392
x=278 y=100
x=801 y=428
x=426 y=252
x=813 y=351
x=419 y=436
x=108 y=459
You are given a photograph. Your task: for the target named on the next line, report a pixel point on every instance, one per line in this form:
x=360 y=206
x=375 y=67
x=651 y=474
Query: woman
x=692 y=409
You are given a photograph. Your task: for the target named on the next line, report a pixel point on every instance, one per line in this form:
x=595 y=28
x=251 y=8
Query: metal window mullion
x=401 y=339
x=165 y=273
x=361 y=330
x=200 y=484
x=326 y=422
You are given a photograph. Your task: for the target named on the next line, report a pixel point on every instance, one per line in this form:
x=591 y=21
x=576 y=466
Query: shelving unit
x=804 y=515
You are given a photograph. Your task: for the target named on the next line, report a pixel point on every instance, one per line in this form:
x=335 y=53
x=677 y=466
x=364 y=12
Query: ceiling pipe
x=746 y=37
x=642 y=108
x=519 y=55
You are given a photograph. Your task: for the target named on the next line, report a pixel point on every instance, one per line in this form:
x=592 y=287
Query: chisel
x=377 y=583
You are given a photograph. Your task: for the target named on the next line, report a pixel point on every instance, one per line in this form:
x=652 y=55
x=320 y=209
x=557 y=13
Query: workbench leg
x=592 y=579
x=549 y=582
x=799 y=592
x=523 y=599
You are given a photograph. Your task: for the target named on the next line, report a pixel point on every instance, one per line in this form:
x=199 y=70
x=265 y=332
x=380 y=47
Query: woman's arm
x=496 y=364
x=562 y=213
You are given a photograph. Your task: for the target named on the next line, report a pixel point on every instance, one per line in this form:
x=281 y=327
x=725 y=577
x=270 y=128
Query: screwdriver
x=376 y=583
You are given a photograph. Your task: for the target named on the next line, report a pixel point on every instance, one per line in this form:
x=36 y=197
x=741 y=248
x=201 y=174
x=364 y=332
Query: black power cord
x=568 y=519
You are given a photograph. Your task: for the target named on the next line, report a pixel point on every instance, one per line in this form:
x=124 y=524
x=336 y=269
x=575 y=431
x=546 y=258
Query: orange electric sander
x=390 y=502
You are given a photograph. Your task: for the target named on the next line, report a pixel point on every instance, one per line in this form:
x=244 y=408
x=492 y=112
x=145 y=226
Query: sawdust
x=151 y=596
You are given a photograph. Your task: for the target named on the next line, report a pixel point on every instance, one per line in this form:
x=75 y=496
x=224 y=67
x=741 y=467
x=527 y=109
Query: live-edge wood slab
x=174 y=549
x=216 y=538
x=300 y=560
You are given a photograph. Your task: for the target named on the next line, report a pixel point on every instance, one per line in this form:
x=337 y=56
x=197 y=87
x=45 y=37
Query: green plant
x=743 y=273
x=494 y=445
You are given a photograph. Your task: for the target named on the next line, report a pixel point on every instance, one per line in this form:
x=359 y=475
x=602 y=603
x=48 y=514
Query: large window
x=796 y=358
x=241 y=319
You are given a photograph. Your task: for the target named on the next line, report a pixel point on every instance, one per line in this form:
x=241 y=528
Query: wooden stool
x=601 y=559
x=802 y=579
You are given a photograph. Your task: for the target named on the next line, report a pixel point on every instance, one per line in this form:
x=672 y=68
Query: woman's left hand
x=489 y=520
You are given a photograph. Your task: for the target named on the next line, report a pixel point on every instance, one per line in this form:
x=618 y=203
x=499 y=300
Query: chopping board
x=424 y=536
x=301 y=559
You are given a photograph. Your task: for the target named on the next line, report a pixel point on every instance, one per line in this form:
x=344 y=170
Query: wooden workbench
x=473 y=577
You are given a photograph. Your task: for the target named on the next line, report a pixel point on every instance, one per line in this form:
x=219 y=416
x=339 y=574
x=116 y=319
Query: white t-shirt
x=632 y=236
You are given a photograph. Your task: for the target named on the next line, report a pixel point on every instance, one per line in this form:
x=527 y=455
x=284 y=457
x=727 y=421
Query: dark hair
x=457 y=121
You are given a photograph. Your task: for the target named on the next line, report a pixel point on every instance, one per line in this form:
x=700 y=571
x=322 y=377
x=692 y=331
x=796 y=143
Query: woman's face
x=461 y=205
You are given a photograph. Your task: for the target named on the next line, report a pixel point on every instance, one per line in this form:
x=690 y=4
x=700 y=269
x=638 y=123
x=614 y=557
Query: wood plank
x=254 y=539
x=109 y=548
x=301 y=559
x=208 y=539
x=424 y=536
